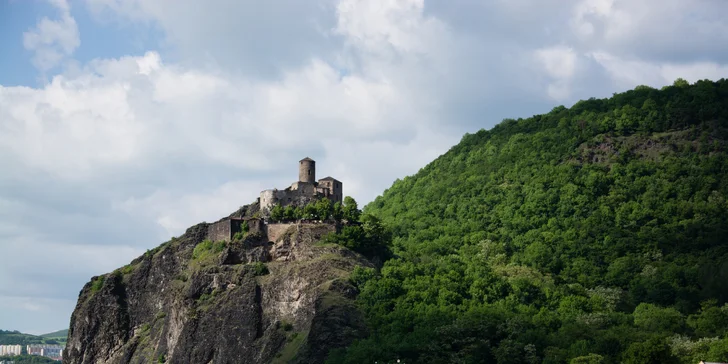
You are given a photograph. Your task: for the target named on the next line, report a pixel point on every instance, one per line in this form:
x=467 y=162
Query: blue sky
x=123 y=122
x=99 y=38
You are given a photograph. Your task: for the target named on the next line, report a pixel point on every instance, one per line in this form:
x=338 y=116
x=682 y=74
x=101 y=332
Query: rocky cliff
x=250 y=300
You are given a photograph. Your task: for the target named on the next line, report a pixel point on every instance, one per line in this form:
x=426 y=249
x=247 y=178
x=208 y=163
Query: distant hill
x=57 y=334
x=19 y=338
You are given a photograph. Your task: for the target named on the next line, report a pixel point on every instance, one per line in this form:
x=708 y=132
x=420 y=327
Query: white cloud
x=560 y=63
x=655 y=30
x=53 y=40
x=629 y=73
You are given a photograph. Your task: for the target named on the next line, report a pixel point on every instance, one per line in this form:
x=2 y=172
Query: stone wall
x=220 y=231
x=307 y=231
x=299 y=194
x=256 y=226
x=227 y=228
x=307 y=170
x=275 y=231
x=312 y=232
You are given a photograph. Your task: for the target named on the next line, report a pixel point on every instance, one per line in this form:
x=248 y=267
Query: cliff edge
x=251 y=299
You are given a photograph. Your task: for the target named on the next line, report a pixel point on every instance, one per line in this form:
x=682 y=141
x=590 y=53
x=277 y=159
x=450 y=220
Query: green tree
x=654 y=318
x=324 y=208
x=290 y=213
x=276 y=213
x=351 y=211
x=310 y=211
x=652 y=351
x=680 y=82
x=588 y=359
x=337 y=212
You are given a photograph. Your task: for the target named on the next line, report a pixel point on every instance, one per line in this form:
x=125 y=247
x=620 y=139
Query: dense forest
x=591 y=234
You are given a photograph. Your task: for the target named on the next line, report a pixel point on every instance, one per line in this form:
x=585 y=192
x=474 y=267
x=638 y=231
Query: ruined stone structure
x=304 y=191
x=226 y=228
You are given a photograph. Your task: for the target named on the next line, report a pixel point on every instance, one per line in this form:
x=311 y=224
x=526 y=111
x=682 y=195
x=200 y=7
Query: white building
x=10 y=350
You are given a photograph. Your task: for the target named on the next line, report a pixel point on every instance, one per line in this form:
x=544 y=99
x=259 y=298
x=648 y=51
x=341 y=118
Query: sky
x=123 y=122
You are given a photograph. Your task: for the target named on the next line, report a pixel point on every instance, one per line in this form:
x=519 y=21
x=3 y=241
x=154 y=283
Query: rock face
x=192 y=300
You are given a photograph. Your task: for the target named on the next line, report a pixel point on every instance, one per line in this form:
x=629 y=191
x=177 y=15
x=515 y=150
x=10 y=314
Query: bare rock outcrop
x=251 y=300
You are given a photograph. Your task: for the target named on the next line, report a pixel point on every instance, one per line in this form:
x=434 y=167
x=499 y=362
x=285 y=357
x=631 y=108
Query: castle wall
x=226 y=229
x=256 y=226
x=308 y=231
x=275 y=231
x=219 y=231
x=299 y=194
x=331 y=189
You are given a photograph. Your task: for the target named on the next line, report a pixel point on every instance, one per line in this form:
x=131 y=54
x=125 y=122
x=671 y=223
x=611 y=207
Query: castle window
x=309 y=172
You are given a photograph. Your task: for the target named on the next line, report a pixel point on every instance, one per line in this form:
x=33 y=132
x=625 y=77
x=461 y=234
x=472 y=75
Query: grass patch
x=207 y=250
x=289 y=352
x=97 y=284
x=127 y=269
x=259 y=269
x=286 y=326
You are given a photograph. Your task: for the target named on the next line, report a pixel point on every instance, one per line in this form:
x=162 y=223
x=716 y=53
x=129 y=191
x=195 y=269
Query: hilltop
x=59 y=333
x=242 y=289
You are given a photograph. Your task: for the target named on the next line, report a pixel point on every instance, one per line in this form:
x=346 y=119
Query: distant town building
x=10 y=350
x=49 y=351
x=34 y=349
x=55 y=352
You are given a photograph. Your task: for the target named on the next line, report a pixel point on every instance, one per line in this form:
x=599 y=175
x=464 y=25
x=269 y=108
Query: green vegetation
x=294 y=343
x=594 y=234
x=18 y=338
x=59 y=333
x=321 y=209
x=363 y=233
x=207 y=250
x=97 y=284
x=259 y=269
x=240 y=235
x=369 y=237
x=28 y=359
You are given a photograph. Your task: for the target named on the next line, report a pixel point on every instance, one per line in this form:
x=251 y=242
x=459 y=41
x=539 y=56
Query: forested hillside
x=595 y=234
x=18 y=338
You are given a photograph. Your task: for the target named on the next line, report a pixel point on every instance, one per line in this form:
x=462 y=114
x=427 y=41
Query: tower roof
x=329 y=179
x=307 y=159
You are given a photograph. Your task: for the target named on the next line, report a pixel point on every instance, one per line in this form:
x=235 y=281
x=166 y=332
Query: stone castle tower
x=304 y=191
x=307 y=170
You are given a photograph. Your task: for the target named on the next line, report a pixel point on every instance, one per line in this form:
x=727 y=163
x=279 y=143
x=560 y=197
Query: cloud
x=653 y=30
x=628 y=72
x=53 y=40
x=260 y=39
x=560 y=63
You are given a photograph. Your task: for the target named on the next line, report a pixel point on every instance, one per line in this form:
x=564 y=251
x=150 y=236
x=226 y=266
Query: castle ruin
x=304 y=191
